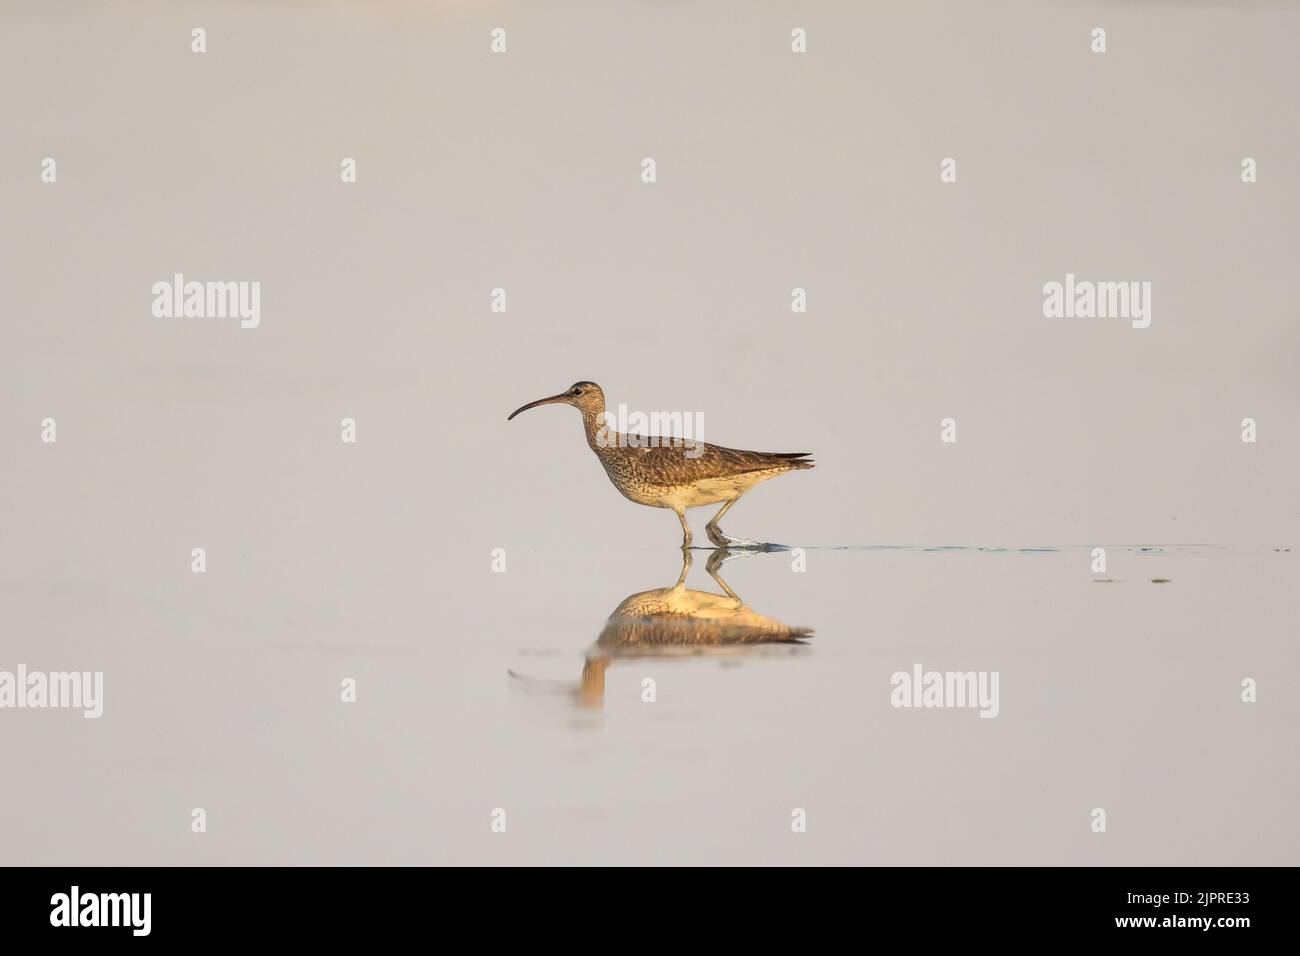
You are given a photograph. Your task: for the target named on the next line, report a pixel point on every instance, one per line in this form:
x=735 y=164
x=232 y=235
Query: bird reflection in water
x=678 y=621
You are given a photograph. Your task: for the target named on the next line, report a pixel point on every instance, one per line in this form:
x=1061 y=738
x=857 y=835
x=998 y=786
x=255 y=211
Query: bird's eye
x=577 y=391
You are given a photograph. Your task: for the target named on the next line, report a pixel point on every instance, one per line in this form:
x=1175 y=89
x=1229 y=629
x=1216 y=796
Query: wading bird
x=673 y=473
x=677 y=622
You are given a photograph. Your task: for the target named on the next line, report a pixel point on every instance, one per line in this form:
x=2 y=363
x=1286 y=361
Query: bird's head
x=585 y=396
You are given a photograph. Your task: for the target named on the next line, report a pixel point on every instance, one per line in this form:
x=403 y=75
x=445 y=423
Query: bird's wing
x=697 y=460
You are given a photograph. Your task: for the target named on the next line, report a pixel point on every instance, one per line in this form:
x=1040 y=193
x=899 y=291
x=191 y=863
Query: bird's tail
x=795 y=459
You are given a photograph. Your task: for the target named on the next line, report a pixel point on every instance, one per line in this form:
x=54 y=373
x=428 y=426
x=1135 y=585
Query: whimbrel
x=673 y=622
x=673 y=473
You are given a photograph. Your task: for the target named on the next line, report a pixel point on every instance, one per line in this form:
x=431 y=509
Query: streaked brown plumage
x=677 y=622
x=678 y=475
x=680 y=621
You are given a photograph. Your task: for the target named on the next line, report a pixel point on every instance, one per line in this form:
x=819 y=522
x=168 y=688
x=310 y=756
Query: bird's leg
x=716 y=560
x=724 y=540
x=686 y=530
x=687 y=560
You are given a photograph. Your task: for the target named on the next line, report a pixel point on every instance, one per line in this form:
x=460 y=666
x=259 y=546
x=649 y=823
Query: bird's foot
x=720 y=556
x=728 y=543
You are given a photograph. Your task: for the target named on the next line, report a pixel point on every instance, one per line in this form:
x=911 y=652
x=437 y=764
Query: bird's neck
x=592 y=688
x=593 y=423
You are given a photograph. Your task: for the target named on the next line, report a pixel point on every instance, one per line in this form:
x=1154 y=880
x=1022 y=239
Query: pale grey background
x=775 y=170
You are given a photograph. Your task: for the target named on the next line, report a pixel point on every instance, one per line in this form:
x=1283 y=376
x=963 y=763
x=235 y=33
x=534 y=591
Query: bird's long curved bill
x=540 y=401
